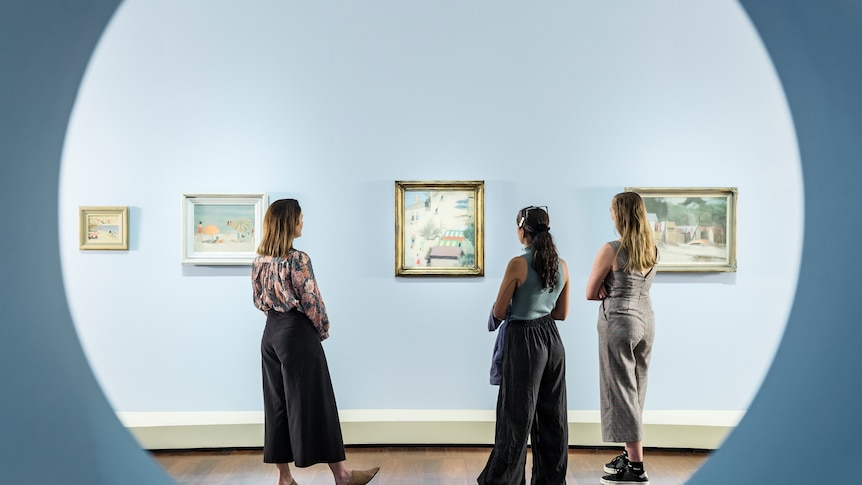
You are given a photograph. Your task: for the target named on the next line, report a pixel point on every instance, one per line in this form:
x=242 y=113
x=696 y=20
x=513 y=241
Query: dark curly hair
x=537 y=225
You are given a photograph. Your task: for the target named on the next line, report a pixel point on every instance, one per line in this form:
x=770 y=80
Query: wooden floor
x=410 y=466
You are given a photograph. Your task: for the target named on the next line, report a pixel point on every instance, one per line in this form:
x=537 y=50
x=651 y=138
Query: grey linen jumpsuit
x=626 y=329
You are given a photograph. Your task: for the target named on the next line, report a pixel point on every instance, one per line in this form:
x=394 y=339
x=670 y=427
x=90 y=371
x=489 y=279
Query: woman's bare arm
x=516 y=274
x=601 y=266
x=561 y=309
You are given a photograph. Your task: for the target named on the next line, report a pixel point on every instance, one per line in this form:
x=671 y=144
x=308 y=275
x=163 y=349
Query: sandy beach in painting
x=103 y=229
x=229 y=242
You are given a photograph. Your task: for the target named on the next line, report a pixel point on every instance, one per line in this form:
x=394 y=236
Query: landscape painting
x=694 y=228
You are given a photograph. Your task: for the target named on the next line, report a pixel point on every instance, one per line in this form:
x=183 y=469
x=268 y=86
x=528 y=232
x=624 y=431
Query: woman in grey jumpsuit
x=621 y=277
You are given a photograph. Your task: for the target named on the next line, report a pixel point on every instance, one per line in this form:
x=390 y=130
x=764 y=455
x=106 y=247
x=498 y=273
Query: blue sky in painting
x=219 y=214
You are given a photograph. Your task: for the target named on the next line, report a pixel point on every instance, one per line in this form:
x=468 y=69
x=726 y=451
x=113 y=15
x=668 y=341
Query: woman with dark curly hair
x=532 y=396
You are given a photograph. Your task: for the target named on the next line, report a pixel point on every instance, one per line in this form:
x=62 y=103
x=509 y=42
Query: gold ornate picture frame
x=103 y=227
x=440 y=228
x=694 y=228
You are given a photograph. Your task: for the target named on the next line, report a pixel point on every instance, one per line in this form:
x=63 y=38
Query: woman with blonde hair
x=621 y=277
x=301 y=422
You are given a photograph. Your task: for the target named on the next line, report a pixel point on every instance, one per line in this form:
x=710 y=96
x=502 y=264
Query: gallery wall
x=563 y=106
x=54 y=418
x=51 y=406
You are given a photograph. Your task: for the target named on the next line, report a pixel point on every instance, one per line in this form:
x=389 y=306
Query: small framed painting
x=103 y=227
x=694 y=228
x=221 y=229
x=439 y=228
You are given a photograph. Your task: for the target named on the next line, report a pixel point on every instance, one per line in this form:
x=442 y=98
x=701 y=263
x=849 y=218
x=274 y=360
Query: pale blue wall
x=563 y=106
x=56 y=422
x=808 y=405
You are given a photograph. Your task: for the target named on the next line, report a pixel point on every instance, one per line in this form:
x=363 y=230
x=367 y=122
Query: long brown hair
x=537 y=225
x=279 y=227
x=636 y=234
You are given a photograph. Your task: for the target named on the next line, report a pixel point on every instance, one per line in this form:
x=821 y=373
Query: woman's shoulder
x=262 y=259
x=518 y=264
x=299 y=256
x=292 y=255
x=609 y=248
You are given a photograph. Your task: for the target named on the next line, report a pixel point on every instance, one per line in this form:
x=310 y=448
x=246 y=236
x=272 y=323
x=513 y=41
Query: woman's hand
x=603 y=292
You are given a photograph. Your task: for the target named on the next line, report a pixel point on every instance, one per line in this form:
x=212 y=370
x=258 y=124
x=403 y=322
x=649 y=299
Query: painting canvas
x=439 y=228
x=694 y=228
x=221 y=228
x=103 y=227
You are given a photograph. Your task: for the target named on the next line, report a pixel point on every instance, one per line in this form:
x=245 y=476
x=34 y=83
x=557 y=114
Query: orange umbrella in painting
x=211 y=230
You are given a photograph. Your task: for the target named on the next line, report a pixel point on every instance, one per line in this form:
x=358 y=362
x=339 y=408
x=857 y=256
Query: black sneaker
x=626 y=477
x=618 y=464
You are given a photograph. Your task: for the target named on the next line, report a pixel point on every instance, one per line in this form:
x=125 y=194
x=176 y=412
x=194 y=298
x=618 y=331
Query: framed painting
x=695 y=228
x=221 y=229
x=103 y=227
x=440 y=228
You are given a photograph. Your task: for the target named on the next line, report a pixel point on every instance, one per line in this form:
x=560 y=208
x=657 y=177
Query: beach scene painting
x=439 y=229
x=103 y=227
x=694 y=228
x=221 y=228
x=224 y=228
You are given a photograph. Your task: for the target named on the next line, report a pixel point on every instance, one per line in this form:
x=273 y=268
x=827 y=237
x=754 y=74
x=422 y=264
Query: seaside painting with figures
x=221 y=228
x=103 y=227
x=224 y=228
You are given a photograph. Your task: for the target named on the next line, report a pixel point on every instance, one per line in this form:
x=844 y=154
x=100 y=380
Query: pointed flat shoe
x=361 y=477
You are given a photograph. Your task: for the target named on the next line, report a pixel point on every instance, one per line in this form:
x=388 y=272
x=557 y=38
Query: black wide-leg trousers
x=531 y=401
x=300 y=415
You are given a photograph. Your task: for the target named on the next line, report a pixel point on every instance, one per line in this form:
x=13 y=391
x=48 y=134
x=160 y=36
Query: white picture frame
x=221 y=229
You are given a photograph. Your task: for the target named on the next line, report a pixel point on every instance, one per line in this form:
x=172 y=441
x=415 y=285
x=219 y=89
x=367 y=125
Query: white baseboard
x=244 y=429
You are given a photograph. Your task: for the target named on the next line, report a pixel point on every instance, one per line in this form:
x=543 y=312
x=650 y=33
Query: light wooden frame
x=103 y=227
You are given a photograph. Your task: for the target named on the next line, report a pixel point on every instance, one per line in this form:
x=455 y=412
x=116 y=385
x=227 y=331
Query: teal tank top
x=530 y=300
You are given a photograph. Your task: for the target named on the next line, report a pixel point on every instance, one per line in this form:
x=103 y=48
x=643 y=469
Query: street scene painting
x=103 y=227
x=694 y=228
x=439 y=228
x=221 y=228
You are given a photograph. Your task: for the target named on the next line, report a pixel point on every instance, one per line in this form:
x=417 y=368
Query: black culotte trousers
x=300 y=416
x=531 y=402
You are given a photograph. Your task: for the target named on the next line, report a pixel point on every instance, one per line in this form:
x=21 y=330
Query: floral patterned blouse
x=282 y=284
